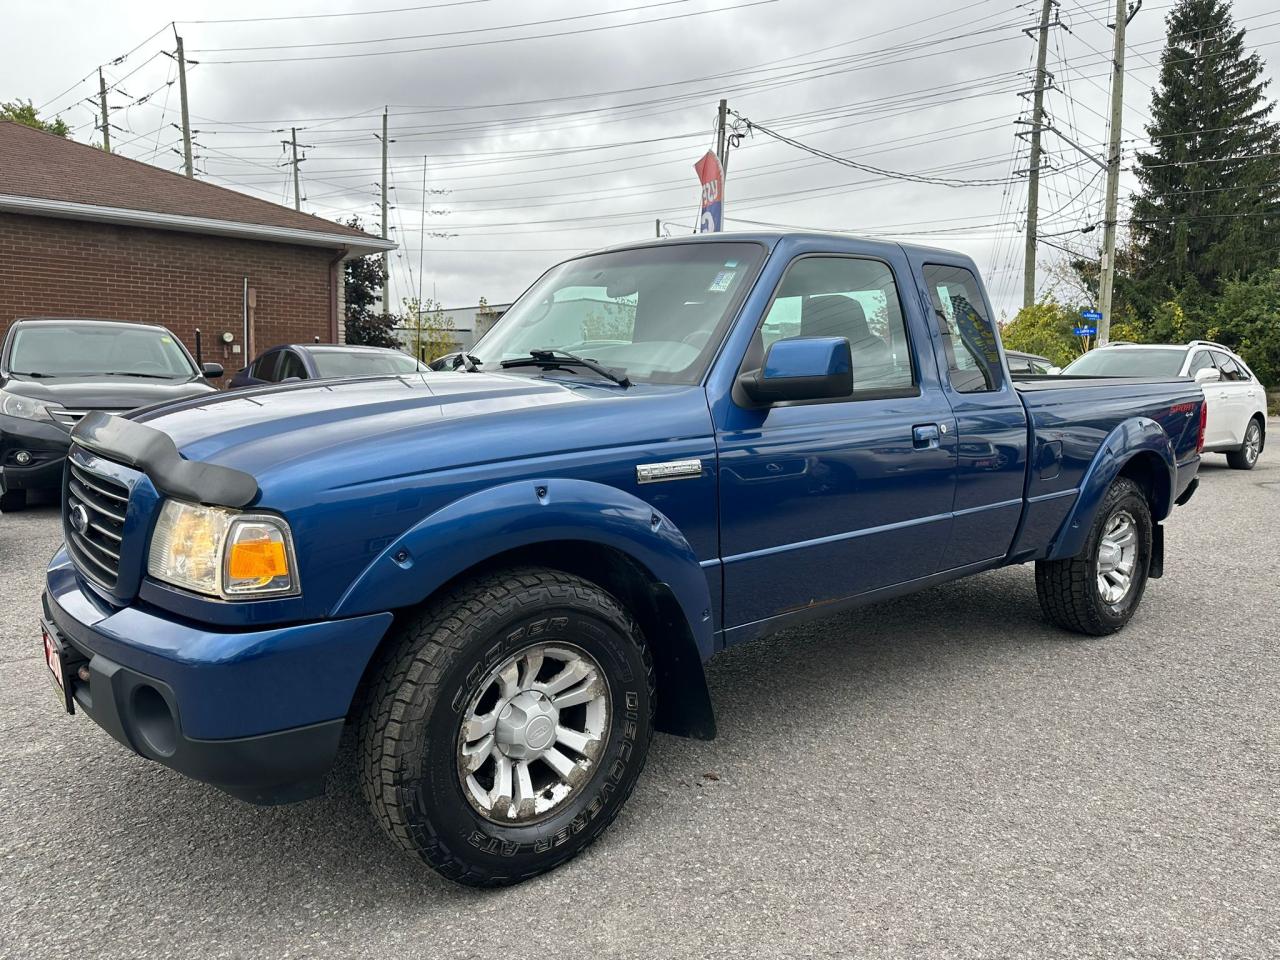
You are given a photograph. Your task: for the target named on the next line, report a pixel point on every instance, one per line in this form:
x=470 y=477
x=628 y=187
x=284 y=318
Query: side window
x=291 y=366
x=1201 y=361
x=1020 y=365
x=1230 y=369
x=264 y=368
x=969 y=340
x=846 y=297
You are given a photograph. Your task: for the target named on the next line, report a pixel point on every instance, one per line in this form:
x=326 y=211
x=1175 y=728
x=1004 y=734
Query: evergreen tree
x=1209 y=206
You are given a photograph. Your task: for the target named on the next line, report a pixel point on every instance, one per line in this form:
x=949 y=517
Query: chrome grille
x=96 y=550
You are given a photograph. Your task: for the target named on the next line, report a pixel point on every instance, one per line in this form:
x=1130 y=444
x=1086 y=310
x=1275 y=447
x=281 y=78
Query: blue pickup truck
x=504 y=577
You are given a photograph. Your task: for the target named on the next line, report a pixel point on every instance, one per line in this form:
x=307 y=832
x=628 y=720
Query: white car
x=1236 y=401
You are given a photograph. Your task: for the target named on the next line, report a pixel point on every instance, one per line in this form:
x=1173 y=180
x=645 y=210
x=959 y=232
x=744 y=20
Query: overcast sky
x=543 y=146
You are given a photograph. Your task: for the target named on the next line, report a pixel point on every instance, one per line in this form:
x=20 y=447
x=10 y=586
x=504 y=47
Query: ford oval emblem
x=79 y=519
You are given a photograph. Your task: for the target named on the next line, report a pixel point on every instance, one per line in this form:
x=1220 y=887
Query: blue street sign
x=1085 y=331
x=1093 y=315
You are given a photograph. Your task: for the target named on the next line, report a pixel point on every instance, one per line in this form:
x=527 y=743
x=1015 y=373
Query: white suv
x=1237 y=402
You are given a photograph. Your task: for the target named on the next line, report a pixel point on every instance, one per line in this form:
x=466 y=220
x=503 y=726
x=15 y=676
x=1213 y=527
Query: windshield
x=82 y=349
x=656 y=314
x=1127 y=362
x=363 y=363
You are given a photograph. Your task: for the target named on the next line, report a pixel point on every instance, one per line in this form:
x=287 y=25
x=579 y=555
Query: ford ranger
x=504 y=577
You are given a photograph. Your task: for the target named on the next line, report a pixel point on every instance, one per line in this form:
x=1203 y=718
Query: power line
x=486 y=43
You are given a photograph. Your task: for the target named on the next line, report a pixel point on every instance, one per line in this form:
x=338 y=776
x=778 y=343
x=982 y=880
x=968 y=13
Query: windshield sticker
x=721 y=283
x=730 y=264
x=166 y=340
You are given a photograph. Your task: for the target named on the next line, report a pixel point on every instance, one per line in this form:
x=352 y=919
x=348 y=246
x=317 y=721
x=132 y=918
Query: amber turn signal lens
x=258 y=560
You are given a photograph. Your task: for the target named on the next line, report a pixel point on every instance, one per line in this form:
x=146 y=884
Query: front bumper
x=257 y=713
x=45 y=443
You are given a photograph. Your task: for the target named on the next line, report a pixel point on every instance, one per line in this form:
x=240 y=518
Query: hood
x=107 y=393
x=357 y=432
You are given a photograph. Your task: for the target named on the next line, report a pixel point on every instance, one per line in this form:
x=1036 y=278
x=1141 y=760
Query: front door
x=820 y=501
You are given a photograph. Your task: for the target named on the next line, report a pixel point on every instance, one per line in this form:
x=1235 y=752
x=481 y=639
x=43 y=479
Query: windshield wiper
x=468 y=362
x=553 y=359
x=30 y=373
x=147 y=376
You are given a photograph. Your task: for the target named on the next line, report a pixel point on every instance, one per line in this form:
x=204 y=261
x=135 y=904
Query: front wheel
x=508 y=725
x=1098 y=591
x=1247 y=456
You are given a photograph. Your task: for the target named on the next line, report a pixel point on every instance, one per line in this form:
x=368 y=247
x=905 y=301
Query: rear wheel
x=1098 y=591
x=508 y=725
x=1250 y=450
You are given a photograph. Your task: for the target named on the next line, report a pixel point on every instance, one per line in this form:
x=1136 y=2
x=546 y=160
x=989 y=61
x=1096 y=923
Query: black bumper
x=46 y=445
x=142 y=713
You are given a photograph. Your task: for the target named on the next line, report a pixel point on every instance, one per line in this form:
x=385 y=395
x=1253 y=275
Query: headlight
x=28 y=408
x=222 y=553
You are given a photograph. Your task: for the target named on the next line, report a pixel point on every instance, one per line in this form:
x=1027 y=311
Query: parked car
x=55 y=370
x=1235 y=400
x=1030 y=364
x=508 y=576
x=322 y=361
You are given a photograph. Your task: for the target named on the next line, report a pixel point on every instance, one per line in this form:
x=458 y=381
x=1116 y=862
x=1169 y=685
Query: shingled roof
x=46 y=175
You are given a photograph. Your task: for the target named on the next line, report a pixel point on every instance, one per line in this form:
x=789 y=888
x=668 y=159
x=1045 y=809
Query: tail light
x=1204 y=420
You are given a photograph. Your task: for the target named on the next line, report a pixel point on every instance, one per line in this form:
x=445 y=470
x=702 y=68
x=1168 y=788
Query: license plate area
x=64 y=664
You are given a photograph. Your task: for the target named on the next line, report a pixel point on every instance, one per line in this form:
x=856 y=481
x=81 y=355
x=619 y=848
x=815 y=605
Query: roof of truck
x=771 y=237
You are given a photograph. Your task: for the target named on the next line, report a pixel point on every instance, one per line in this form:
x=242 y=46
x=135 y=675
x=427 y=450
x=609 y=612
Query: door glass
x=852 y=298
x=264 y=368
x=968 y=338
x=1201 y=361
x=1231 y=370
x=291 y=366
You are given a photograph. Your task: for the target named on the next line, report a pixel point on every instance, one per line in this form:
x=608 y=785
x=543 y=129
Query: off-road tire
x=430 y=672
x=1067 y=589
x=1244 y=458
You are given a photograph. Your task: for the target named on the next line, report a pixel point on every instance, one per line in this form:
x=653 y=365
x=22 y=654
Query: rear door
x=991 y=420
x=824 y=500
x=1217 y=431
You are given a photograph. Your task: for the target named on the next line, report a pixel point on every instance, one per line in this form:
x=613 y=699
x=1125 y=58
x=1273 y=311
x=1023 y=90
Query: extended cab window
x=968 y=338
x=846 y=297
x=264 y=368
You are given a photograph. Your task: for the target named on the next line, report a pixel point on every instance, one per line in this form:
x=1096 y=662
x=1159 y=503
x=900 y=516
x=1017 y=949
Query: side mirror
x=801 y=368
x=1208 y=375
x=212 y=371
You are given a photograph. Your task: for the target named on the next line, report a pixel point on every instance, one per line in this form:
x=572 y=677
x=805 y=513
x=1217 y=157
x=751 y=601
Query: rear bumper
x=45 y=443
x=250 y=712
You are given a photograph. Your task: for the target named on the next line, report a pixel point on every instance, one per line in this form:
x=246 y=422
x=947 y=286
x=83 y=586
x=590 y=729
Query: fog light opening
x=154 y=721
x=22 y=458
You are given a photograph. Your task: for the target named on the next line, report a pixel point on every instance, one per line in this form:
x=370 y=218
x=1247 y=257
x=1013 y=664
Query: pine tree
x=1209 y=207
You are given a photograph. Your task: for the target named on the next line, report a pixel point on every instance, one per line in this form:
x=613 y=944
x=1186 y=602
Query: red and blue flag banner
x=712 y=179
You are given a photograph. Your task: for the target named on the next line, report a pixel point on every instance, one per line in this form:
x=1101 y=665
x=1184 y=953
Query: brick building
x=84 y=233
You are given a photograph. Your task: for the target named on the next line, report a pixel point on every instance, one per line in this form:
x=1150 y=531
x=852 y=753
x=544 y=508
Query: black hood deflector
x=156 y=455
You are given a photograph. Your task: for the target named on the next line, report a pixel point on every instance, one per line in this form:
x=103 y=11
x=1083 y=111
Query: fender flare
x=1138 y=435
x=485 y=524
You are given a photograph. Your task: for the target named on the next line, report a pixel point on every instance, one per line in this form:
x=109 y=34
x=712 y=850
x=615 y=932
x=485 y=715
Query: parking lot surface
x=944 y=775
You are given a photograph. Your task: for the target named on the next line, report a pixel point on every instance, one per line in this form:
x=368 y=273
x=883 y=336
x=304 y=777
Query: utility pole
x=186 y=116
x=297 y=190
x=386 y=270
x=422 y=235
x=1033 y=180
x=1106 y=282
x=106 y=123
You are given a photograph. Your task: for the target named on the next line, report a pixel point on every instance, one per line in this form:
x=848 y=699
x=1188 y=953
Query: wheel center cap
x=527 y=726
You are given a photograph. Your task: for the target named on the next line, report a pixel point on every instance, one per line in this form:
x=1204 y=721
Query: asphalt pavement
x=941 y=776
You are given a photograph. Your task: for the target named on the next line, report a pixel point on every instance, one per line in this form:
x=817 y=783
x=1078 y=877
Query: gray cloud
x=915 y=86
